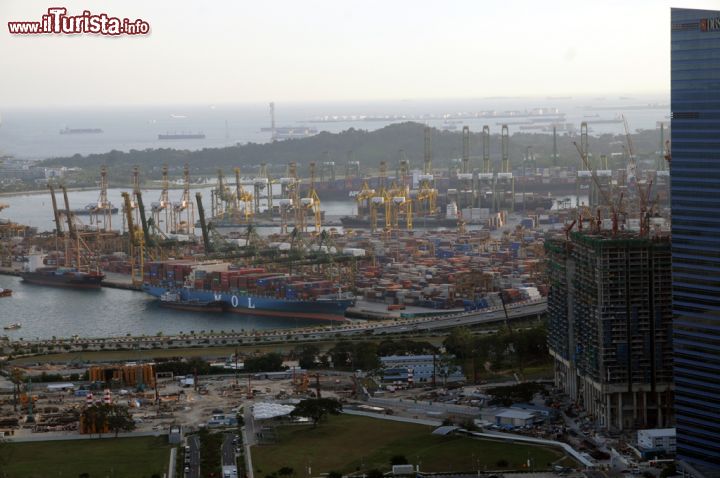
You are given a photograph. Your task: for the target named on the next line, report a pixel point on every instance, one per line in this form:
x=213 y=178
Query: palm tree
x=17 y=378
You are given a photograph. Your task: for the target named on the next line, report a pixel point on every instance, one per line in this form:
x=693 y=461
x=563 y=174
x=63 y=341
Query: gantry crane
x=260 y=183
x=427 y=194
x=403 y=169
x=363 y=198
x=465 y=177
x=398 y=203
x=163 y=205
x=183 y=218
x=505 y=176
x=310 y=203
x=486 y=177
x=352 y=170
x=102 y=210
x=133 y=203
x=242 y=200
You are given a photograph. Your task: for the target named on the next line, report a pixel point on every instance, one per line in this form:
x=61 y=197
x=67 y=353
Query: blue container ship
x=244 y=291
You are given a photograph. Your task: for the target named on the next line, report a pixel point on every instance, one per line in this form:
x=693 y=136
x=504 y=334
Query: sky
x=237 y=51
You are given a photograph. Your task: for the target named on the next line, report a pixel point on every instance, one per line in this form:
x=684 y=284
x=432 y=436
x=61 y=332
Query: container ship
x=63 y=277
x=92 y=208
x=182 y=136
x=81 y=131
x=220 y=287
x=364 y=222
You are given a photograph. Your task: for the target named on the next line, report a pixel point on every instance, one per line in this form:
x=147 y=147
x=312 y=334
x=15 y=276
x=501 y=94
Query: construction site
x=609 y=306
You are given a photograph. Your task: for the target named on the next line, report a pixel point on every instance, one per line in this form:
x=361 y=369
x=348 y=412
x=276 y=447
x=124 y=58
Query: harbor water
x=44 y=312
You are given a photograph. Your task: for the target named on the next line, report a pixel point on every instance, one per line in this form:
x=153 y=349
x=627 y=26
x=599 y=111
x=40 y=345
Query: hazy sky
x=225 y=51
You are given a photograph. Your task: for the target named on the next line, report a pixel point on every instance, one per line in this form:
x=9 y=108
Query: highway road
x=489 y=316
x=229 y=462
x=194 y=465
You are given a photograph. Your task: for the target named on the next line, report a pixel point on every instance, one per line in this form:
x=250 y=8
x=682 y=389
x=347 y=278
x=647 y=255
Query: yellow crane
x=427 y=194
x=137 y=244
x=311 y=203
x=243 y=199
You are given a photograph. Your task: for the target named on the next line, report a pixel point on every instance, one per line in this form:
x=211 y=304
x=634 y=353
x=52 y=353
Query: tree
x=95 y=418
x=119 y=419
x=375 y=473
x=286 y=471
x=398 y=460
x=306 y=355
x=272 y=362
x=16 y=377
x=316 y=408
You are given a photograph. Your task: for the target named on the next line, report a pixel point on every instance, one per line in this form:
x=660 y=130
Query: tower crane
x=614 y=209
x=643 y=192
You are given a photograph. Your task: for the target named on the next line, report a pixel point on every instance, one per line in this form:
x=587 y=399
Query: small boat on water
x=5 y=292
x=14 y=326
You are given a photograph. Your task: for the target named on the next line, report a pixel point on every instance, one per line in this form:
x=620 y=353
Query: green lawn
x=347 y=443
x=110 y=457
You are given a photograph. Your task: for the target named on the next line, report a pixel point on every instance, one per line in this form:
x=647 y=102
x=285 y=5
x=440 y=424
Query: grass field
x=348 y=443
x=140 y=457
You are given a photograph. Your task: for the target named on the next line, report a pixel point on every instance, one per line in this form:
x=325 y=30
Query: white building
x=657 y=440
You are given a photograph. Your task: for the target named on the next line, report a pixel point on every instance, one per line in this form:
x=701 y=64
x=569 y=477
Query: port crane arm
x=56 y=213
x=143 y=219
x=203 y=224
x=69 y=214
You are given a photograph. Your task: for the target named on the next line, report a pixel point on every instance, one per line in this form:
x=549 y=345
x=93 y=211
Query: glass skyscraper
x=695 y=104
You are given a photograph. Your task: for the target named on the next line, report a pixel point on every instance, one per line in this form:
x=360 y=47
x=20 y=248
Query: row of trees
x=271 y=362
x=369 y=147
x=364 y=355
x=507 y=349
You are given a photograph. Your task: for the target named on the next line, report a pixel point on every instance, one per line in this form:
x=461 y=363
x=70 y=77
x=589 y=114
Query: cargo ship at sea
x=81 y=131
x=221 y=287
x=63 y=277
x=181 y=136
x=94 y=208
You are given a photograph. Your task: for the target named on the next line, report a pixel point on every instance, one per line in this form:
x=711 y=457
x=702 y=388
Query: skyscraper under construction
x=610 y=327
